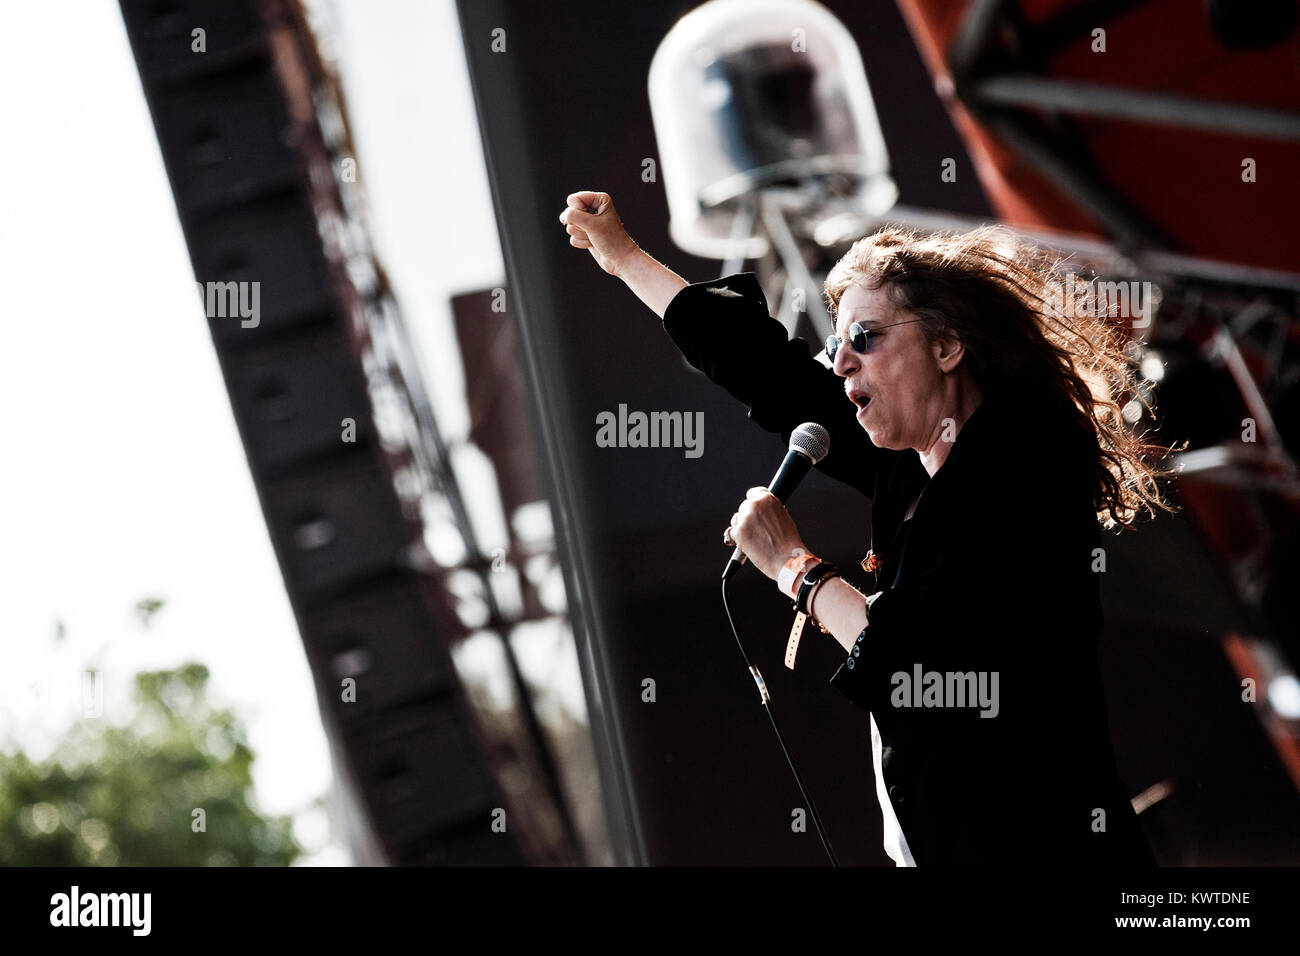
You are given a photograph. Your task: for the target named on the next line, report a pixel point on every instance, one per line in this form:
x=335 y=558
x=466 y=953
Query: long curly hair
x=1031 y=330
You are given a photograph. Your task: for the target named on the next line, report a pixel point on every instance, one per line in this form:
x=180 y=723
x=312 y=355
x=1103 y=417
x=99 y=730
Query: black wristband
x=812 y=576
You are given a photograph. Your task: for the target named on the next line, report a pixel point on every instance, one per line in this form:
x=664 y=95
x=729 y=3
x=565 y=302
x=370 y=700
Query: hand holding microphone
x=762 y=529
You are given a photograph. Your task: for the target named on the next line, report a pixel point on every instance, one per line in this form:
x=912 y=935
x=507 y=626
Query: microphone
x=809 y=444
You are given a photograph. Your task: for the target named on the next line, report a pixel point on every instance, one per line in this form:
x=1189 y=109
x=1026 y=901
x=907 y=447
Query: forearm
x=654 y=283
x=842 y=610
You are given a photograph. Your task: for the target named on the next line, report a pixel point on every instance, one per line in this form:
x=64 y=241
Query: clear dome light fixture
x=750 y=96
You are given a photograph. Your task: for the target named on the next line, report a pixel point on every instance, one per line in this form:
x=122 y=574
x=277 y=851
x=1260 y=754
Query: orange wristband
x=795 y=565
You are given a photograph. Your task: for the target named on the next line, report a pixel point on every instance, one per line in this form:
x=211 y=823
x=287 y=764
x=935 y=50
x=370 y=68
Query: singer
x=984 y=424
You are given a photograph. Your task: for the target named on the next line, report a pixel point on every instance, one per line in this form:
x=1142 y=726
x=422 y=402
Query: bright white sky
x=125 y=475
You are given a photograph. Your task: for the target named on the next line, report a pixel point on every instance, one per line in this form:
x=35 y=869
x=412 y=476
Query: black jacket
x=993 y=575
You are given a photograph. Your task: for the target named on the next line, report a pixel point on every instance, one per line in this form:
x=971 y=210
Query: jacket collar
x=908 y=478
x=992 y=417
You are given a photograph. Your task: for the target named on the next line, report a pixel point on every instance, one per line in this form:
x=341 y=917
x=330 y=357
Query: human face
x=898 y=383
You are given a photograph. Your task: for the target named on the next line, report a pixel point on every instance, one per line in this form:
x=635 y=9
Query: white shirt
x=895 y=842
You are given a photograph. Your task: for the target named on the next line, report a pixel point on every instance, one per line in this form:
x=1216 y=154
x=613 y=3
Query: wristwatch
x=822 y=570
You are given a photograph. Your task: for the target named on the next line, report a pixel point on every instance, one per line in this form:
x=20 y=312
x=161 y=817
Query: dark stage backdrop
x=695 y=777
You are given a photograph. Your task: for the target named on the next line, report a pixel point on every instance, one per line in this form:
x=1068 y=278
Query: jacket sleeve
x=906 y=625
x=723 y=328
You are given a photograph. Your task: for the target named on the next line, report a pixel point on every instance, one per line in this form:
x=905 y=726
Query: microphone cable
x=766 y=699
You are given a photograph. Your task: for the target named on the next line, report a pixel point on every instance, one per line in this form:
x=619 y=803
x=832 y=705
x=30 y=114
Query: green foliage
x=147 y=608
x=126 y=795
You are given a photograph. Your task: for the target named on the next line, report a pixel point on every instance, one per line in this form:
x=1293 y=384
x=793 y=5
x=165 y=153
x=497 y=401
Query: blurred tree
x=147 y=608
x=131 y=795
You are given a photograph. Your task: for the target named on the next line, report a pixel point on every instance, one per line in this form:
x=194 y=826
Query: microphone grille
x=812 y=440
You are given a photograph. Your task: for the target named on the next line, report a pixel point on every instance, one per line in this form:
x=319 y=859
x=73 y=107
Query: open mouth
x=860 y=399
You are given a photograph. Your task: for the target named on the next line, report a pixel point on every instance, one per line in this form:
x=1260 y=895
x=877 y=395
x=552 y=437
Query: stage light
x=1284 y=696
x=754 y=95
x=1153 y=366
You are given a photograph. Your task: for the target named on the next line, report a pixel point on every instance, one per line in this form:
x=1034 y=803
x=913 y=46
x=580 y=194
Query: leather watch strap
x=792 y=645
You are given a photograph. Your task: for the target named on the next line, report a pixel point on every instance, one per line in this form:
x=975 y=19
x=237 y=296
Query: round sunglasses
x=859 y=338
